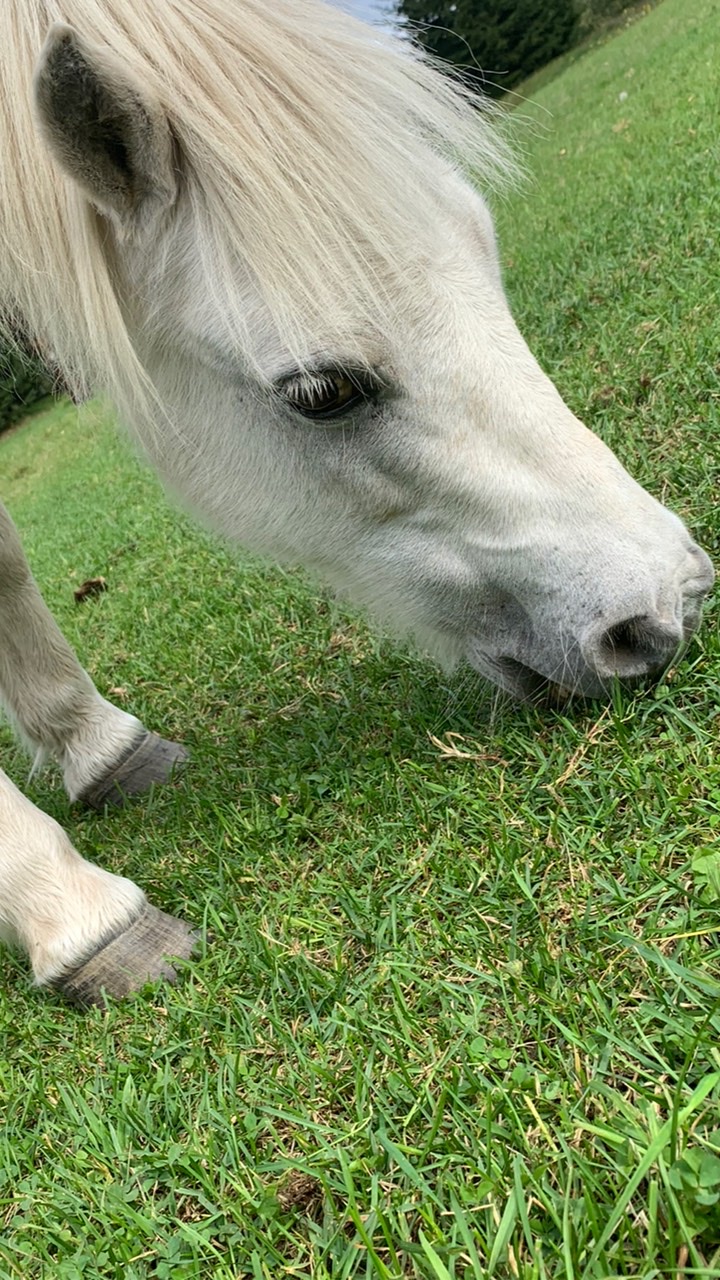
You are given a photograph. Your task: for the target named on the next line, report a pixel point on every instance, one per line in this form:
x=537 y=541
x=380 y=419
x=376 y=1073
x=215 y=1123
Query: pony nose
x=636 y=646
x=702 y=575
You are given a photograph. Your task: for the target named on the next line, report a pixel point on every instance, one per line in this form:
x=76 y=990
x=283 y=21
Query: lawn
x=459 y=1014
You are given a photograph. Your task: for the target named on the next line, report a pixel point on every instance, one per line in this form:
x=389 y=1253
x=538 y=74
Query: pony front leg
x=87 y=932
x=105 y=754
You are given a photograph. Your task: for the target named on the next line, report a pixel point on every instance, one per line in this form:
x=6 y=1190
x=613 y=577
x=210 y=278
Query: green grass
x=460 y=1012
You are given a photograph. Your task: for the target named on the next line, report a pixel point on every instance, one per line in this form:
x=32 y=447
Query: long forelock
x=308 y=146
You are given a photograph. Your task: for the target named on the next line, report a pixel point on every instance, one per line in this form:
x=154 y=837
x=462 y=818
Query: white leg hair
x=50 y=700
x=55 y=905
x=87 y=932
x=104 y=753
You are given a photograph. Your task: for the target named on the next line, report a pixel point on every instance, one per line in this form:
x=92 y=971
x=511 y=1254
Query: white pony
x=246 y=224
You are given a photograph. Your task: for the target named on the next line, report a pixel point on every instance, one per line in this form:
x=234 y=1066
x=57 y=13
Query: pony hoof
x=138 y=955
x=151 y=760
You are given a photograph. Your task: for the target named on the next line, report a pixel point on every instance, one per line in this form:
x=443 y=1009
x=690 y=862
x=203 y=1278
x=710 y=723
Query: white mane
x=305 y=141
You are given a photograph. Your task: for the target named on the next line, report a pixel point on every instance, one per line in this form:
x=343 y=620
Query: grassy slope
x=475 y=999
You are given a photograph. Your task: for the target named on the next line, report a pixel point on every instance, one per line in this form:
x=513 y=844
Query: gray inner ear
x=104 y=132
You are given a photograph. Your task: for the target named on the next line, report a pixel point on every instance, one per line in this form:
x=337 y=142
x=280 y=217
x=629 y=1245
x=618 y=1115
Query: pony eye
x=326 y=395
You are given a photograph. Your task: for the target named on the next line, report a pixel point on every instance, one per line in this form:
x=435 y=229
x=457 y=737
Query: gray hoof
x=151 y=760
x=130 y=959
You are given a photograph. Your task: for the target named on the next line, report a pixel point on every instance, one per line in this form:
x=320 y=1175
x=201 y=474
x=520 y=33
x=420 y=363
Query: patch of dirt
x=91 y=587
x=299 y=1191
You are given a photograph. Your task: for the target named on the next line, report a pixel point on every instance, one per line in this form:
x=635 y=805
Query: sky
x=368 y=10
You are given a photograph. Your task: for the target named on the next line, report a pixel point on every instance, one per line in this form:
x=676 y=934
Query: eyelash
x=328 y=394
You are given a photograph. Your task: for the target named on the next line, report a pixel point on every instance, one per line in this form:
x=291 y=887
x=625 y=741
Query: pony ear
x=104 y=130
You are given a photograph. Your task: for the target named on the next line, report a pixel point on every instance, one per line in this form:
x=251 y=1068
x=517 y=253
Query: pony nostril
x=636 y=646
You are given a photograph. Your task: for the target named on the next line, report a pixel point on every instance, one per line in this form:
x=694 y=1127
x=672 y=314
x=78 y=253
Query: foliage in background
x=498 y=43
x=23 y=382
x=595 y=13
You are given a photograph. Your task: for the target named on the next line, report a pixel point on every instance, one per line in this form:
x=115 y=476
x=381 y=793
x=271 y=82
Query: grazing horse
x=249 y=226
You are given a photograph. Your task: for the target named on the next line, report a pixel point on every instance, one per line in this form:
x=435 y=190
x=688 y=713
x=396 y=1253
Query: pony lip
x=531 y=685
x=528 y=684
x=524 y=682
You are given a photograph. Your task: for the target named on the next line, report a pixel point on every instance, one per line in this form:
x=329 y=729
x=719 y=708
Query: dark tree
x=495 y=42
x=24 y=381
